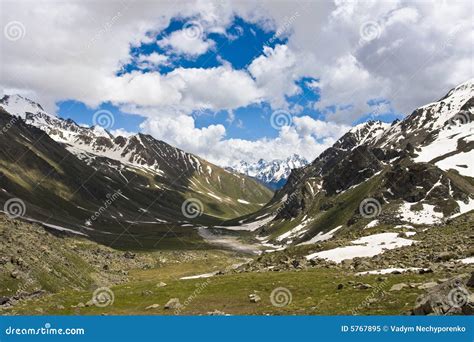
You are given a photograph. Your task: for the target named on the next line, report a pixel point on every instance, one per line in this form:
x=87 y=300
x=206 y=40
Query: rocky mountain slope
x=128 y=190
x=413 y=172
x=273 y=173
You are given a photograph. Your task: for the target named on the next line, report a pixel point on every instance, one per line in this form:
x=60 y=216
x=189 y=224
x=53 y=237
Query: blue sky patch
x=241 y=43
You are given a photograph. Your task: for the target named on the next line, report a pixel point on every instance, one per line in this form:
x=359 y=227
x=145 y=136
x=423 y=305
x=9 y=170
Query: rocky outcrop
x=452 y=297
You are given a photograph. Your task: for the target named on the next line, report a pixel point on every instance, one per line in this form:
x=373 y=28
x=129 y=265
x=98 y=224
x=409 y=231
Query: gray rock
x=470 y=282
x=129 y=255
x=217 y=313
x=173 y=303
x=448 y=298
x=346 y=262
x=427 y=286
x=152 y=306
x=161 y=284
x=398 y=287
x=445 y=256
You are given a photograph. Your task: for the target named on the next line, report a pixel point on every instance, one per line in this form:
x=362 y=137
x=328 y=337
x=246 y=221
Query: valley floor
x=313 y=292
x=42 y=273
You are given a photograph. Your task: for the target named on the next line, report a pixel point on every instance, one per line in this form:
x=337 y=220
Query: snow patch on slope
x=367 y=246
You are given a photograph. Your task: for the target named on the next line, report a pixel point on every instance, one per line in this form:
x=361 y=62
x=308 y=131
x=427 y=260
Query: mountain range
x=412 y=172
x=64 y=174
x=273 y=173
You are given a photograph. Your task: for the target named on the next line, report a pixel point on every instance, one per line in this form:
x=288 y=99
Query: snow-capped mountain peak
x=87 y=143
x=434 y=115
x=19 y=105
x=273 y=173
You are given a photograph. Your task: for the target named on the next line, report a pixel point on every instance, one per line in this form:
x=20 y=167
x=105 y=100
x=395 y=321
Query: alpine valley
x=379 y=223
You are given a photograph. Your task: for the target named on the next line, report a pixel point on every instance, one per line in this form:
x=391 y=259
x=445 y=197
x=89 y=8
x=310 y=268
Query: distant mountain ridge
x=272 y=173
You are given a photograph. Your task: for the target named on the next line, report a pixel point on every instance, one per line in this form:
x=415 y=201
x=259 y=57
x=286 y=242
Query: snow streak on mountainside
x=272 y=173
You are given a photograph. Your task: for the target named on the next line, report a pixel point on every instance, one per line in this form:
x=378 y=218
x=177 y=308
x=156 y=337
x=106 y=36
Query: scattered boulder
x=470 y=282
x=4 y=300
x=445 y=256
x=362 y=286
x=80 y=305
x=217 y=313
x=340 y=286
x=14 y=274
x=173 y=303
x=346 y=262
x=161 y=284
x=427 y=286
x=448 y=298
x=398 y=287
x=426 y=270
x=152 y=306
x=129 y=255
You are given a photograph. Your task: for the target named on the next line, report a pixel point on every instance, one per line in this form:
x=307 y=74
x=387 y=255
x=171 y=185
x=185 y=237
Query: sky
x=235 y=80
